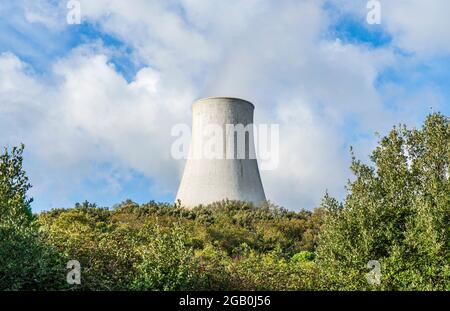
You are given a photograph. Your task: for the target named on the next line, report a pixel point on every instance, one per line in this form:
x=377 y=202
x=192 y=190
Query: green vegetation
x=227 y=245
x=27 y=260
x=396 y=212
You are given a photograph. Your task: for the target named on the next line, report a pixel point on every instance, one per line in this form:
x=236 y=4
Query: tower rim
x=222 y=97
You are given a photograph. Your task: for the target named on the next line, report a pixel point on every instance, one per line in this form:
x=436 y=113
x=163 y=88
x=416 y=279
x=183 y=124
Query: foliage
x=303 y=256
x=396 y=212
x=166 y=247
x=167 y=264
x=15 y=206
x=26 y=261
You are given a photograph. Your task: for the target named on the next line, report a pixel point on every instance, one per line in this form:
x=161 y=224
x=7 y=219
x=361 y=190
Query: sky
x=94 y=103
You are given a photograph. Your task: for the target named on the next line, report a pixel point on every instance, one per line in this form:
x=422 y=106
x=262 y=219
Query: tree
x=14 y=204
x=26 y=262
x=396 y=212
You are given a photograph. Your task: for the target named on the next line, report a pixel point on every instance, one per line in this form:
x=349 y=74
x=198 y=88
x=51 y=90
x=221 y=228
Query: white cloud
x=311 y=157
x=89 y=115
x=417 y=26
x=19 y=97
x=271 y=53
x=51 y=14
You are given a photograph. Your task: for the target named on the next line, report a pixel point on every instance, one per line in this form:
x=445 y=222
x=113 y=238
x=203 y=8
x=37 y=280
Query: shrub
x=396 y=212
x=167 y=263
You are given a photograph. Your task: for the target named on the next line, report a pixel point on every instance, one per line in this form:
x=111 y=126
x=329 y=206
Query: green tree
x=26 y=262
x=15 y=208
x=396 y=212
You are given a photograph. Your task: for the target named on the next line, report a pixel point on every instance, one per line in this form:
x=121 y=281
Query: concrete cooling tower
x=222 y=162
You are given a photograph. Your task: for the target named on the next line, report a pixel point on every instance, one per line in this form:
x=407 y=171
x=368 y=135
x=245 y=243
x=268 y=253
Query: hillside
x=391 y=232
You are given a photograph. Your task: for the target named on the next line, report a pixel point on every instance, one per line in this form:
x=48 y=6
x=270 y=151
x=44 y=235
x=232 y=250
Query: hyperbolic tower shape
x=207 y=180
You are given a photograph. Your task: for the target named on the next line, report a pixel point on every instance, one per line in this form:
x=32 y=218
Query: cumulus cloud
x=419 y=26
x=416 y=26
x=272 y=53
x=89 y=114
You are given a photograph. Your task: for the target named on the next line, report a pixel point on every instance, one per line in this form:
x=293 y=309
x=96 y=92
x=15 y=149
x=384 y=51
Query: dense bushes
x=167 y=263
x=396 y=212
x=165 y=247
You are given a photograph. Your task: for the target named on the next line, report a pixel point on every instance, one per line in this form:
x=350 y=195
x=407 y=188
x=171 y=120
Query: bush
x=397 y=213
x=167 y=263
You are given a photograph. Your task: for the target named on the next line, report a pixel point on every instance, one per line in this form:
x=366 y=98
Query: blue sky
x=94 y=103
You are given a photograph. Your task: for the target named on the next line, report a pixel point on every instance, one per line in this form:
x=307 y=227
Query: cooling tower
x=222 y=162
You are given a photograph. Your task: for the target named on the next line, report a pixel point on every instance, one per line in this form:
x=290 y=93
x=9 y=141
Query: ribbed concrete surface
x=208 y=180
